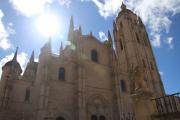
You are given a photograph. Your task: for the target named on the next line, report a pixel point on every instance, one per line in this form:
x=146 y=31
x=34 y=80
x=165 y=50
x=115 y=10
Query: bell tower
x=133 y=48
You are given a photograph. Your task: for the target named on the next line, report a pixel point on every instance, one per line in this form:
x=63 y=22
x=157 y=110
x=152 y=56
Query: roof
x=13 y=62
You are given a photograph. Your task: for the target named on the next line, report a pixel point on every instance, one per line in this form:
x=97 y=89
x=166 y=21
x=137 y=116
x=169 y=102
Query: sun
x=47 y=24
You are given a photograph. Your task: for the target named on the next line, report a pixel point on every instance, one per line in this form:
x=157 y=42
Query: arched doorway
x=93 y=117
x=60 y=118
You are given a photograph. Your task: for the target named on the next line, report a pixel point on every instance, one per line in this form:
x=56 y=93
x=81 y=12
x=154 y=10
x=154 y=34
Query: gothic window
x=145 y=41
x=138 y=40
x=121 y=45
x=143 y=63
x=61 y=73
x=151 y=66
x=93 y=117
x=60 y=118
x=94 y=56
x=27 y=95
x=122 y=85
x=102 y=118
x=121 y=24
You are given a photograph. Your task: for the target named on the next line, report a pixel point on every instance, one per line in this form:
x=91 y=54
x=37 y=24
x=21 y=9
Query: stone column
x=143 y=106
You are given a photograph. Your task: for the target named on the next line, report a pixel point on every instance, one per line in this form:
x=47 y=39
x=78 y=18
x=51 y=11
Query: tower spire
x=80 y=31
x=123 y=6
x=109 y=36
x=15 y=55
x=71 y=27
x=32 y=57
x=61 y=48
x=49 y=44
x=114 y=27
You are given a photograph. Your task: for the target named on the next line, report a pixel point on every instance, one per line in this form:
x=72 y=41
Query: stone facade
x=90 y=88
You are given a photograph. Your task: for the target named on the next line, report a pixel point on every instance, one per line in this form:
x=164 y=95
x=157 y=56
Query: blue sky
x=22 y=22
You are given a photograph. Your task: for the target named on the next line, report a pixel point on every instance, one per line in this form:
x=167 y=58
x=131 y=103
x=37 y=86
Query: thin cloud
x=102 y=36
x=62 y=2
x=29 y=8
x=154 y=13
x=161 y=73
x=169 y=41
x=21 y=58
x=4 y=34
x=10 y=24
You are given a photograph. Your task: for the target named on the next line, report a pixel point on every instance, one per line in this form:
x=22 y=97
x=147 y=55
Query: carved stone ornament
x=49 y=110
x=137 y=77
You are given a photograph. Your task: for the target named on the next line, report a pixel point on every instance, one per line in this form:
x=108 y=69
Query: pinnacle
x=15 y=55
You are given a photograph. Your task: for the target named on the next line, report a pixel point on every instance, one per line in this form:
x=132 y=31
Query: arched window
x=121 y=24
x=94 y=56
x=143 y=63
x=60 y=118
x=151 y=66
x=138 y=40
x=121 y=45
x=61 y=73
x=27 y=95
x=93 y=117
x=122 y=85
x=145 y=41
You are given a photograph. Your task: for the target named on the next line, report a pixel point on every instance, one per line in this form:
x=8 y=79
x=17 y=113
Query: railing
x=168 y=104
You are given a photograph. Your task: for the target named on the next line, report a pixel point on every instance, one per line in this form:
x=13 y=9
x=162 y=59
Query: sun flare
x=48 y=24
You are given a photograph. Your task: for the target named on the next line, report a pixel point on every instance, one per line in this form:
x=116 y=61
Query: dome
x=11 y=63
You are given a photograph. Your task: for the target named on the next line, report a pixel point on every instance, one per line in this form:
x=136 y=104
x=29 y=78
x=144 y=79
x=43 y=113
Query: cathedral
x=88 y=80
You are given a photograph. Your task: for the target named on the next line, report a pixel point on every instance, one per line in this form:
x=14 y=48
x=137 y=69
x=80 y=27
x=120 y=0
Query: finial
x=109 y=36
x=123 y=6
x=90 y=33
x=15 y=55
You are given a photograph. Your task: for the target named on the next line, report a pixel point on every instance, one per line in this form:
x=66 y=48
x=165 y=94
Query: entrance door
x=60 y=118
x=93 y=117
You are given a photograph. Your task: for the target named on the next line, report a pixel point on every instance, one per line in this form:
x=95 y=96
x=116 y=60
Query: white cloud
x=10 y=24
x=154 y=13
x=161 y=73
x=156 y=42
x=4 y=33
x=36 y=60
x=102 y=36
x=33 y=7
x=21 y=58
x=169 y=41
